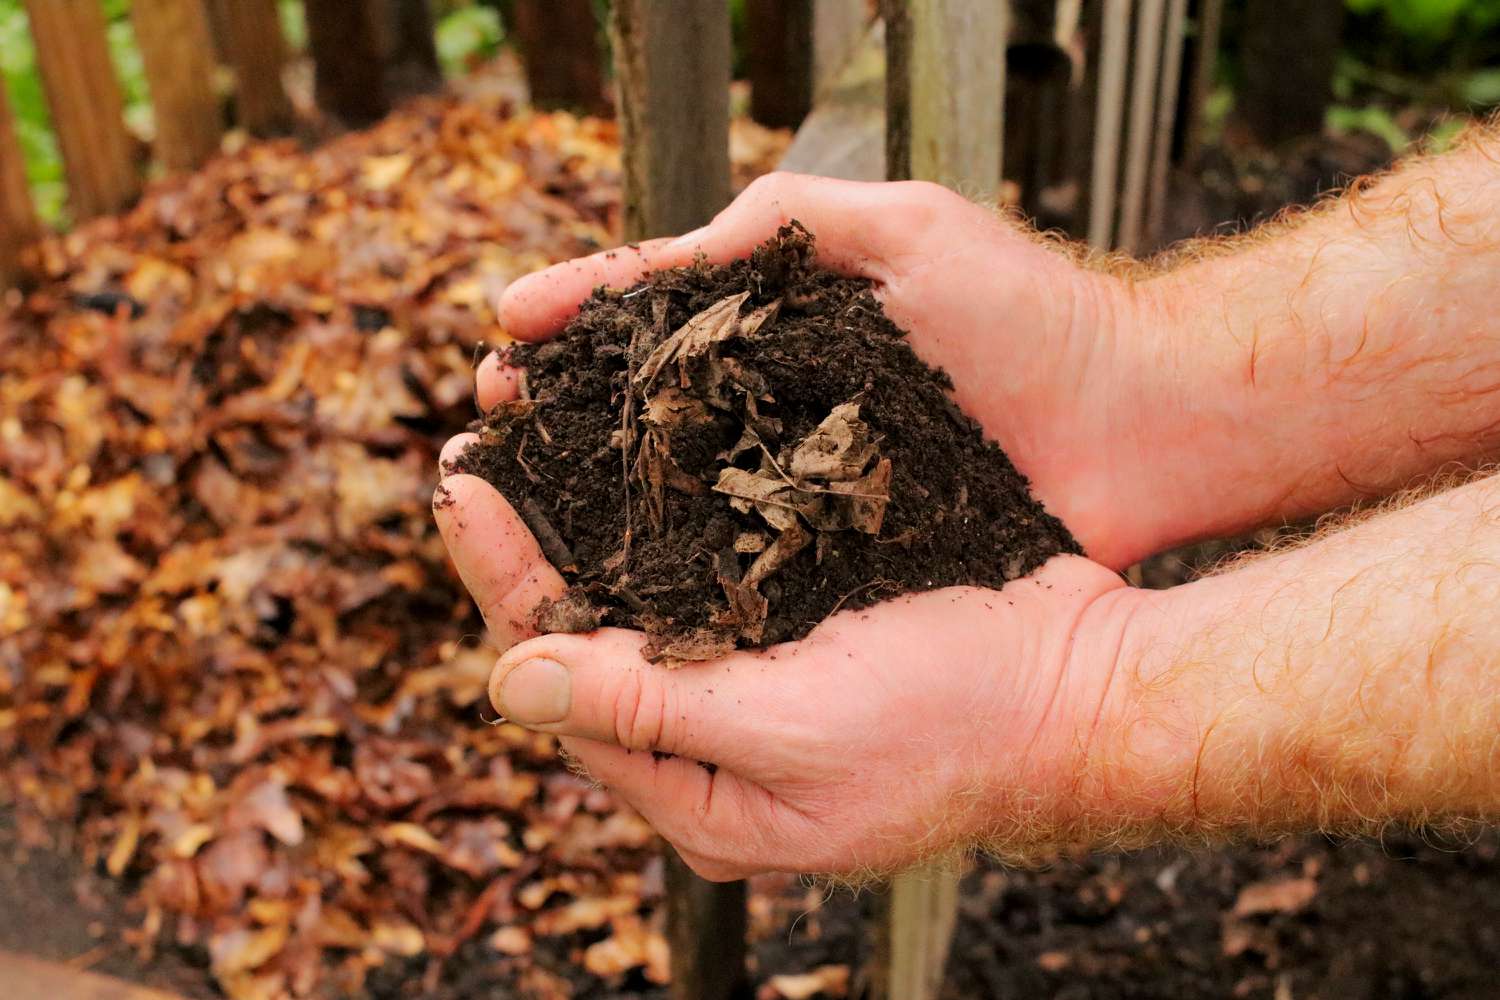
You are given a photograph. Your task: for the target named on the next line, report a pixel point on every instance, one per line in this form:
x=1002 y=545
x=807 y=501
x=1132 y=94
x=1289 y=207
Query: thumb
x=599 y=687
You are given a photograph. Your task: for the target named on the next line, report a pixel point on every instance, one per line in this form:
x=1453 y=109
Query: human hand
x=889 y=734
x=1059 y=364
x=807 y=773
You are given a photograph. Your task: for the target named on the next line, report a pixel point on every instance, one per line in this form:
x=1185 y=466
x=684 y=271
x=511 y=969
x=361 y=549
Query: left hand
x=888 y=735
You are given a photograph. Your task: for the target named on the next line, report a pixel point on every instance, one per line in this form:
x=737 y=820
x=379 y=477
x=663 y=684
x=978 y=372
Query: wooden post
x=348 y=77
x=18 y=222
x=1166 y=119
x=408 y=48
x=1209 y=21
x=177 y=53
x=1143 y=94
x=28 y=978
x=1108 y=117
x=1288 y=73
x=559 y=41
x=254 y=47
x=87 y=108
x=945 y=92
x=945 y=106
x=780 y=60
x=672 y=64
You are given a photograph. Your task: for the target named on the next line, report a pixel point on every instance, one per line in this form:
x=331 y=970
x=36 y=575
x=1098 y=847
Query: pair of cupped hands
x=925 y=722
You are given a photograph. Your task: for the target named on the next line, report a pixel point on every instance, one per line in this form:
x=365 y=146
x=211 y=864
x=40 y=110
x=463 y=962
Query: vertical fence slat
x=1142 y=120
x=1210 y=21
x=779 y=60
x=347 y=74
x=18 y=222
x=87 y=109
x=672 y=65
x=254 y=47
x=945 y=106
x=1108 y=118
x=672 y=60
x=945 y=92
x=177 y=54
x=1166 y=118
x=560 y=44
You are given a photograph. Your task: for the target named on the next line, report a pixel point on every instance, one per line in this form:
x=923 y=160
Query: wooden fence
x=1085 y=102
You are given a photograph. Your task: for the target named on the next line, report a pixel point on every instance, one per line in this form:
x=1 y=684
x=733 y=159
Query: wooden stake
x=348 y=76
x=1109 y=113
x=1142 y=121
x=1166 y=119
x=945 y=107
x=27 y=978
x=255 y=49
x=18 y=222
x=177 y=53
x=672 y=62
x=73 y=56
x=1210 y=18
x=945 y=92
x=559 y=41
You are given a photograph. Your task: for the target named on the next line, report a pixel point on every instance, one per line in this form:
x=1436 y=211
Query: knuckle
x=639 y=711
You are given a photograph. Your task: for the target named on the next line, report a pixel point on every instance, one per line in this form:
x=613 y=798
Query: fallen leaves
x=232 y=651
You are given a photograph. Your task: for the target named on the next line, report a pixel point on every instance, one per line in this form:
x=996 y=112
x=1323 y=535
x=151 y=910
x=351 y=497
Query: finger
x=495 y=382
x=496 y=556
x=599 y=687
x=540 y=304
x=710 y=817
x=452 y=448
x=859 y=227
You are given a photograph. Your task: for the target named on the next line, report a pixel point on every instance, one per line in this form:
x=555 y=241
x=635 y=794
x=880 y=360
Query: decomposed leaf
x=717 y=323
x=787 y=544
x=838 y=450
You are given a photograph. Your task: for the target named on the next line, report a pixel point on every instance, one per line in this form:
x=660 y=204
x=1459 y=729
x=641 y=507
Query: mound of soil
x=725 y=455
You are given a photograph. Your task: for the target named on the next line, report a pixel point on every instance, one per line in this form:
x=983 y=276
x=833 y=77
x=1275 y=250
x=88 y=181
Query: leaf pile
x=232 y=651
x=723 y=456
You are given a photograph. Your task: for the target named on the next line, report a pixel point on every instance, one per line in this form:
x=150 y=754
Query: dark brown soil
x=725 y=455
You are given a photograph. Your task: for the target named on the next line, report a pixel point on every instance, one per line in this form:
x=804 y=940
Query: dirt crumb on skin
x=725 y=455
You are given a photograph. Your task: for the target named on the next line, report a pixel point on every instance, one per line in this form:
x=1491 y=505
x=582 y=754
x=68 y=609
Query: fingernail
x=536 y=693
x=688 y=239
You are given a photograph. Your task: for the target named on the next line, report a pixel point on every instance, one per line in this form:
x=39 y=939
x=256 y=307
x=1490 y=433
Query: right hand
x=1061 y=365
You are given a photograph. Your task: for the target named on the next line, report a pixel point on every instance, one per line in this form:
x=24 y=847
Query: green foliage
x=23 y=86
x=1432 y=22
x=467 y=35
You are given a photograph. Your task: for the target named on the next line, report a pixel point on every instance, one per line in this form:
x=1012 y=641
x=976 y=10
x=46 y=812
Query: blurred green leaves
x=1432 y=22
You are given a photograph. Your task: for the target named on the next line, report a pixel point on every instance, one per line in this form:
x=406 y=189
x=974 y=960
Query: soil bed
x=725 y=455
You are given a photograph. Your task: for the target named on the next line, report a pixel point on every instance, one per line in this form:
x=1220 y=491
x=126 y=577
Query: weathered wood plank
x=1109 y=114
x=1166 y=118
x=672 y=64
x=18 y=221
x=779 y=60
x=177 y=54
x=255 y=48
x=559 y=42
x=672 y=60
x=945 y=92
x=945 y=105
x=920 y=911
x=348 y=77
x=84 y=96
x=27 y=978
x=1143 y=93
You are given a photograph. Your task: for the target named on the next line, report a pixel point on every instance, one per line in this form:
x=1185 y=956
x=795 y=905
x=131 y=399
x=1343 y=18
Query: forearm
x=1342 y=355
x=1348 y=683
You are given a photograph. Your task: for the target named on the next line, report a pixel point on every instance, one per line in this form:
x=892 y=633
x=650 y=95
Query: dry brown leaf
x=1288 y=895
